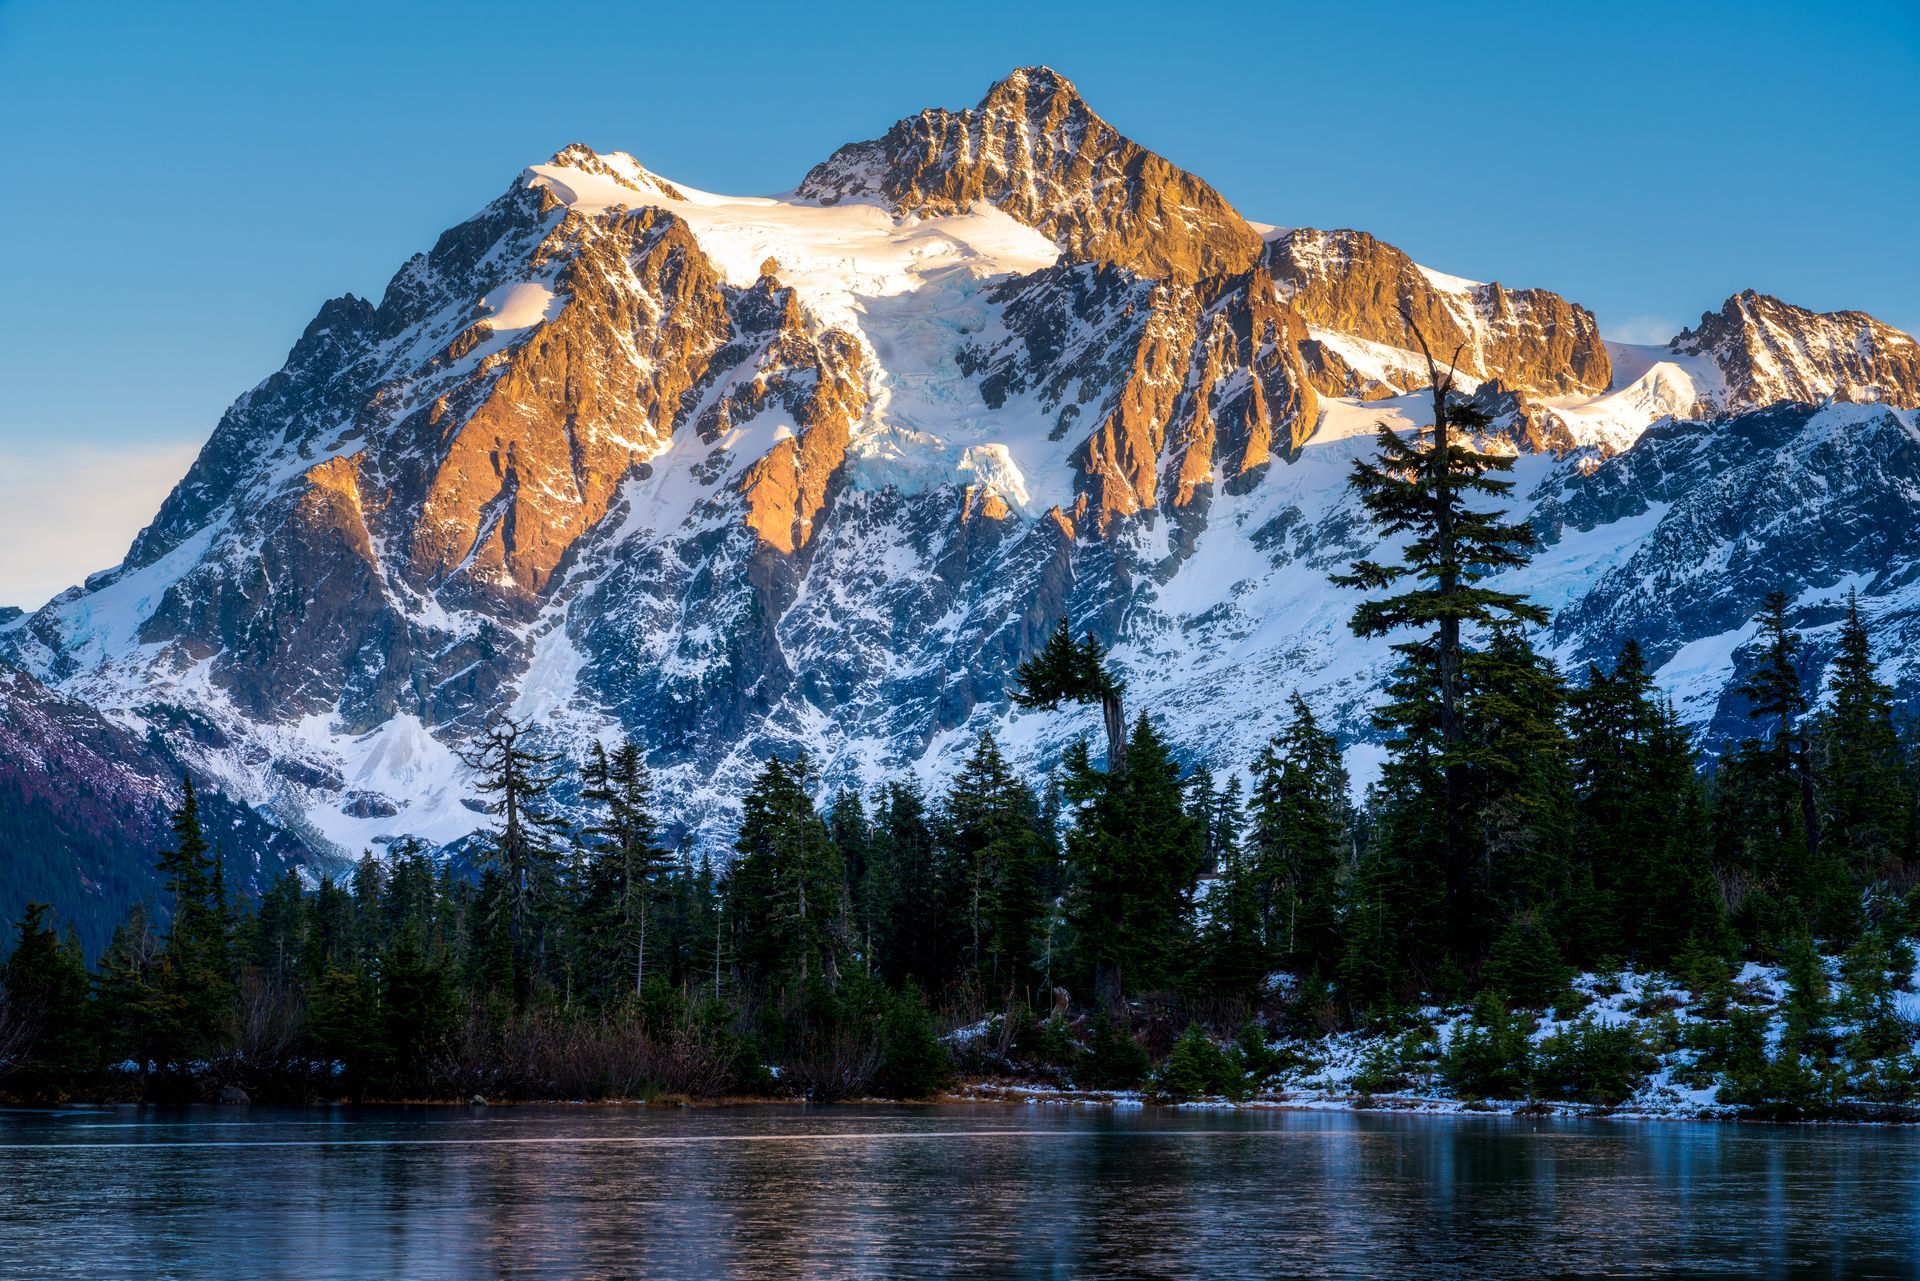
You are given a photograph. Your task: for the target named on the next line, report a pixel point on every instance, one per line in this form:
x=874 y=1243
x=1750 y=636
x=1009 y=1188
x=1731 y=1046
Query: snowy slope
x=747 y=474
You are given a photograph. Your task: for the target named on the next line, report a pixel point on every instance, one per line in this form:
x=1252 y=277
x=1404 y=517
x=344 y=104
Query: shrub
x=1197 y=1067
x=1526 y=964
x=913 y=1063
x=1592 y=1062
x=1490 y=1057
x=1113 y=1060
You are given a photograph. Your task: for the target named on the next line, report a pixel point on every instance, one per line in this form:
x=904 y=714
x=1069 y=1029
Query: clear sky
x=187 y=183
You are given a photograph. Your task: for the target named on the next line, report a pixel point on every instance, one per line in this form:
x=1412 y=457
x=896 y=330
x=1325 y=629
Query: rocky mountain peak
x=1768 y=350
x=1350 y=284
x=1033 y=148
x=618 y=167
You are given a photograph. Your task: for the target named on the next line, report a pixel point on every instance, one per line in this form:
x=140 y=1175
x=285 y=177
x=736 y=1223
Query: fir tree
x=195 y=989
x=786 y=891
x=521 y=846
x=1070 y=671
x=45 y=984
x=1421 y=491
x=990 y=837
x=900 y=891
x=1865 y=805
x=1298 y=837
x=625 y=864
x=1134 y=852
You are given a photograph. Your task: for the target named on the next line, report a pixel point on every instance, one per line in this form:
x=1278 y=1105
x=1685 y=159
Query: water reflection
x=979 y=1191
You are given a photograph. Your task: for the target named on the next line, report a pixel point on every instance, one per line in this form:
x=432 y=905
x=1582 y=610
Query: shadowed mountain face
x=736 y=475
x=84 y=805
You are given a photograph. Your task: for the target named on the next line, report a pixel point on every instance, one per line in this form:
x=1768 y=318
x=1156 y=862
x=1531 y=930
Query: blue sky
x=186 y=184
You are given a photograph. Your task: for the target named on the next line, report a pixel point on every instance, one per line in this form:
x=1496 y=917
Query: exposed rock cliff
x=1349 y=284
x=1769 y=351
x=1034 y=149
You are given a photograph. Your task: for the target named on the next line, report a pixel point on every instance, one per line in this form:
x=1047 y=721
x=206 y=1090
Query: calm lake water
x=1013 y=1191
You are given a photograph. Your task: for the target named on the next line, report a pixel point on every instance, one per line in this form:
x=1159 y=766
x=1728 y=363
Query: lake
x=974 y=1190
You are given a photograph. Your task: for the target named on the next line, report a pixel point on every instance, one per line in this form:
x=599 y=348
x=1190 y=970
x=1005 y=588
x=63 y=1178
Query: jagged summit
x=1033 y=148
x=1768 y=351
x=617 y=167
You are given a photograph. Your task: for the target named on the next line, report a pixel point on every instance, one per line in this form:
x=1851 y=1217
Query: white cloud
x=67 y=511
x=1648 y=330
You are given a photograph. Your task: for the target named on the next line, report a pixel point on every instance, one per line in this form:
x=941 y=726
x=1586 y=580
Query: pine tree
x=521 y=845
x=1069 y=671
x=625 y=864
x=1865 y=805
x=195 y=988
x=1522 y=790
x=129 y=1003
x=1233 y=947
x=990 y=838
x=45 y=984
x=1420 y=491
x=1134 y=853
x=901 y=891
x=1298 y=837
x=1774 y=791
x=786 y=891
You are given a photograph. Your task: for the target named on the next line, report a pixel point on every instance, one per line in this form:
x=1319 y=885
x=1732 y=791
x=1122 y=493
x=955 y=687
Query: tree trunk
x=1107 y=989
x=1116 y=721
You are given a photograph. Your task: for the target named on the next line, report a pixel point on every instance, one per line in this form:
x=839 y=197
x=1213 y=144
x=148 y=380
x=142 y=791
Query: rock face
x=1192 y=384
x=740 y=475
x=1350 y=284
x=1034 y=149
x=1769 y=351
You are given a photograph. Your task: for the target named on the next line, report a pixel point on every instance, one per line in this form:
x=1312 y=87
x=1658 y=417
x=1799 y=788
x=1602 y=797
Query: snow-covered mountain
x=745 y=474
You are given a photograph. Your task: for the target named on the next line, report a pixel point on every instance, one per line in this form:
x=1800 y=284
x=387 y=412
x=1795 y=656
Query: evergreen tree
x=1134 y=852
x=195 y=988
x=901 y=891
x=520 y=847
x=1233 y=946
x=1298 y=838
x=988 y=830
x=1070 y=671
x=625 y=865
x=786 y=891
x=1865 y=805
x=1420 y=491
x=45 y=984
x=1769 y=801
x=129 y=1003
x=1522 y=790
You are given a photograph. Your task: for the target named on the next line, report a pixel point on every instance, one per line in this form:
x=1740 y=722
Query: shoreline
x=997 y=1093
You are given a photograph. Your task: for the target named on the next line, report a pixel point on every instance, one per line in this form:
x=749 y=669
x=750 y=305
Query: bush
x=1737 y=1047
x=913 y=1064
x=1046 y=1043
x=1490 y=1057
x=1526 y=965
x=1592 y=1062
x=1389 y=1065
x=1113 y=1060
x=1197 y=1067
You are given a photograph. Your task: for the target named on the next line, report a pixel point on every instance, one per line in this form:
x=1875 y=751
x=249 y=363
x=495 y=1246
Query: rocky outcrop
x=1036 y=150
x=1348 y=283
x=1769 y=351
x=1185 y=385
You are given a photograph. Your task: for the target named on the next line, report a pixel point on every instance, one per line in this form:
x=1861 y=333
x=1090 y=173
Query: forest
x=1121 y=922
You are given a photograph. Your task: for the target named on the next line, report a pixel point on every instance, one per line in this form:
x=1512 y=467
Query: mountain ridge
x=748 y=474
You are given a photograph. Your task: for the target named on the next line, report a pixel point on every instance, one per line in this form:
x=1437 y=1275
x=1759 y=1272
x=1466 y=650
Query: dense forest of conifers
x=1116 y=913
